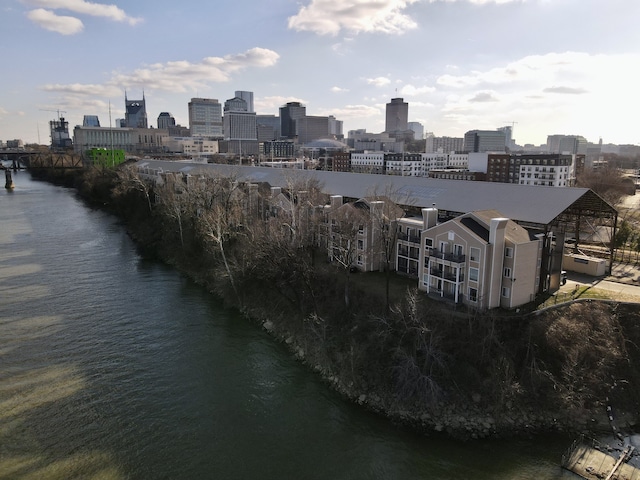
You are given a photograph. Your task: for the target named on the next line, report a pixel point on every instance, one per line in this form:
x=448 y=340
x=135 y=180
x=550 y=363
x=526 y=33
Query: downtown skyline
x=543 y=66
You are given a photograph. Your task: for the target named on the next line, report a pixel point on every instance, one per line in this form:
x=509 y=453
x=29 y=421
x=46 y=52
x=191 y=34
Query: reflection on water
x=115 y=367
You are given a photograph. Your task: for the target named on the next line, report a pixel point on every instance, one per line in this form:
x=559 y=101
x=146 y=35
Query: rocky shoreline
x=461 y=419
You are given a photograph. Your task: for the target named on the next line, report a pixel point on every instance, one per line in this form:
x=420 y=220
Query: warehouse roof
x=522 y=203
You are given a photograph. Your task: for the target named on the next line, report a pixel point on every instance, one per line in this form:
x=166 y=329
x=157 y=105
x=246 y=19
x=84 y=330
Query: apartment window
x=473 y=295
x=428 y=242
x=360 y=245
x=506 y=291
x=508 y=252
x=473 y=274
x=457 y=250
x=507 y=272
x=361 y=229
x=359 y=259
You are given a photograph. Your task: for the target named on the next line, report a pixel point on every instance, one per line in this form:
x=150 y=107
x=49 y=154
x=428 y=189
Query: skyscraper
x=289 y=113
x=239 y=127
x=484 y=141
x=166 y=120
x=90 y=121
x=247 y=97
x=135 y=115
x=205 y=117
x=397 y=116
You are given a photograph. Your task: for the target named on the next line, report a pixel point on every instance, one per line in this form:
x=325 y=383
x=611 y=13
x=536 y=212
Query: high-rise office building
x=90 y=121
x=484 y=141
x=205 y=117
x=268 y=127
x=309 y=128
x=135 y=115
x=289 y=113
x=335 y=127
x=247 y=97
x=239 y=127
x=418 y=130
x=166 y=120
x=397 y=115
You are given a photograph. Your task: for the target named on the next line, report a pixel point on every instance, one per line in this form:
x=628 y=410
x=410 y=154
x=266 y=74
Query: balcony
x=450 y=257
x=446 y=275
x=408 y=238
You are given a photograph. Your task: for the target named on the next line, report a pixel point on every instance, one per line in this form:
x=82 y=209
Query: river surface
x=117 y=367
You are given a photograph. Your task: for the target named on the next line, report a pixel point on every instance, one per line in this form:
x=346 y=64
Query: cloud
x=328 y=17
x=409 y=90
x=177 y=76
x=339 y=90
x=83 y=89
x=483 y=97
x=352 y=111
x=565 y=90
x=55 y=23
x=273 y=103
x=378 y=81
x=82 y=7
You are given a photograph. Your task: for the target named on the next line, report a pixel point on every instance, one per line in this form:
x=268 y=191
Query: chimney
x=429 y=217
x=275 y=191
x=496 y=240
x=336 y=201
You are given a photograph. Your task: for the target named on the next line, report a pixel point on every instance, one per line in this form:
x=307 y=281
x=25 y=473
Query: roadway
x=624 y=282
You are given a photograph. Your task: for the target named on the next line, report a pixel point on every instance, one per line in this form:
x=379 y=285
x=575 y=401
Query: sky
x=543 y=67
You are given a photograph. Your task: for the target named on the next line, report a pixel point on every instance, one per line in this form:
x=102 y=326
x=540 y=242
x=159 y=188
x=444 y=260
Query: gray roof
x=522 y=203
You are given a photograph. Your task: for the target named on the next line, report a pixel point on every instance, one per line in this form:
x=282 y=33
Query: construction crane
x=58 y=111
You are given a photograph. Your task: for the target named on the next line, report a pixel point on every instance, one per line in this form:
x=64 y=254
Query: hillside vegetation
x=416 y=360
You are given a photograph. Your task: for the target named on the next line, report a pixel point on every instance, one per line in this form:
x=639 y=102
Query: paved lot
x=624 y=282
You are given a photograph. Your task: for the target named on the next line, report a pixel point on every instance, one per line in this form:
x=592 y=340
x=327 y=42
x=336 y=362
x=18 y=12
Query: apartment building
x=479 y=259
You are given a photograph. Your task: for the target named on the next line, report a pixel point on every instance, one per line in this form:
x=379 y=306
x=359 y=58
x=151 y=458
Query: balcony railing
x=446 y=275
x=408 y=238
x=451 y=257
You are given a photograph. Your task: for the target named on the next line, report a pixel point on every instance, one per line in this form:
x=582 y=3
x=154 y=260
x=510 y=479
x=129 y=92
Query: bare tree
x=130 y=179
x=174 y=200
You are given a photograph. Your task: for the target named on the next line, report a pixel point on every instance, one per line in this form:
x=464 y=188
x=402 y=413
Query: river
x=117 y=367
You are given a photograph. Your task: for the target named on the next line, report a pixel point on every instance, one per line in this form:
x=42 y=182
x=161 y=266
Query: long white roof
x=523 y=203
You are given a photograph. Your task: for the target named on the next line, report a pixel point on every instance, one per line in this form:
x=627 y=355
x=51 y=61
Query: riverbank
x=421 y=364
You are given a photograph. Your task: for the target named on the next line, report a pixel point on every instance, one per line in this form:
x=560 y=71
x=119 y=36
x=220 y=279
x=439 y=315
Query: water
x=115 y=367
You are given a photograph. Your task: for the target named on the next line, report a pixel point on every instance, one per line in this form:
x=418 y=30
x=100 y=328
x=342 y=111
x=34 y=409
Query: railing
x=446 y=275
x=451 y=257
x=408 y=238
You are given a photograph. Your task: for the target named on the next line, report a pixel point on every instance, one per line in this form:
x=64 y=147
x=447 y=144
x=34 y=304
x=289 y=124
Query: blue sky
x=551 y=66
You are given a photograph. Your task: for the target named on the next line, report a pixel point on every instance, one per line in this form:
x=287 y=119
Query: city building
x=418 y=130
x=205 y=117
x=60 y=133
x=268 y=127
x=194 y=146
x=247 y=97
x=480 y=259
x=335 y=128
x=289 y=113
x=166 y=120
x=309 y=128
x=484 y=141
x=90 y=121
x=435 y=144
x=135 y=115
x=131 y=140
x=239 y=128
x=397 y=116
x=566 y=144
x=544 y=169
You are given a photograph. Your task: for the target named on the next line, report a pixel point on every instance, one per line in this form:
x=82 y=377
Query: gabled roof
x=479 y=223
x=522 y=203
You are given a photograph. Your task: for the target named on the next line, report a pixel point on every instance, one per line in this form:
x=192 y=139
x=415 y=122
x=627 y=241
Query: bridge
x=17 y=159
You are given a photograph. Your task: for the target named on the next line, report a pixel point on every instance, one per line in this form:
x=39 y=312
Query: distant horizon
x=539 y=65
